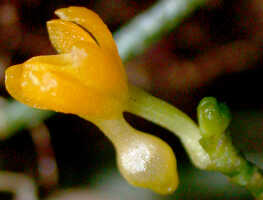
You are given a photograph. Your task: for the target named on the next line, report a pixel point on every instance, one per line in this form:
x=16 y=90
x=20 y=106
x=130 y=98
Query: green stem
x=171 y=118
x=150 y=26
x=215 y=153
x=16 y=116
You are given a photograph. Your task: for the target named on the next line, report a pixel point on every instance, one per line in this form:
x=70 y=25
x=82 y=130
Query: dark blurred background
x=217 y=51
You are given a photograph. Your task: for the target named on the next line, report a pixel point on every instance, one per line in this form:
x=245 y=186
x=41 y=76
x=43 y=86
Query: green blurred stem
x=150 y=26
x=16 y=116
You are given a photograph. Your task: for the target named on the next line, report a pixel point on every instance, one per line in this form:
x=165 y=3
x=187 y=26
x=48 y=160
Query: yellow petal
x=99 y=70
x=63 y=35
x=55 y=61
x=43 y=86
x=13 y=79
x=92 y=22
x=91 y=66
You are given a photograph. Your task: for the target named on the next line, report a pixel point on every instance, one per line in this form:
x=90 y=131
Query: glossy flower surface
x=87 y=78
x=144 y=160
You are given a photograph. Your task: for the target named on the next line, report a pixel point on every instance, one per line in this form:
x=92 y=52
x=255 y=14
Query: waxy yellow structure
x=87 y=78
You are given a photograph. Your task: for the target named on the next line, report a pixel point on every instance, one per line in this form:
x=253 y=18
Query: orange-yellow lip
x=44 y=86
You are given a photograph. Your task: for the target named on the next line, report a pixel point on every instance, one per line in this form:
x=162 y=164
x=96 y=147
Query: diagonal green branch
x=16 y=116
x=152 y=25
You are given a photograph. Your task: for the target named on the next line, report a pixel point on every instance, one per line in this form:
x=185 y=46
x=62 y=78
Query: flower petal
x=100 y=70
x=92 y=22
x=91 y=66
x=63 y=35
x=13 y=79
x=37 y=86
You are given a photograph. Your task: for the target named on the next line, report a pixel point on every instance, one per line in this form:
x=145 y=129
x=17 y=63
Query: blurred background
x=215 y=51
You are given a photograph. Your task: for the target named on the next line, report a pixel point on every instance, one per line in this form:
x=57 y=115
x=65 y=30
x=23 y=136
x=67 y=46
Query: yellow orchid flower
x=87 y=78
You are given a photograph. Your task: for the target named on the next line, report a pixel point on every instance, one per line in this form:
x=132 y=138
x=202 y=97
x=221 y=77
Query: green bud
x=213 y=117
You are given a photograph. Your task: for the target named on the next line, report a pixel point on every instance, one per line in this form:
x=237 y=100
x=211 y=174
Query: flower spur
x=87 y=78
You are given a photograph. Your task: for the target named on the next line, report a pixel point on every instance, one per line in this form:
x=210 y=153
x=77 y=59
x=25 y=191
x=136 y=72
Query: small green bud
x=213 y=117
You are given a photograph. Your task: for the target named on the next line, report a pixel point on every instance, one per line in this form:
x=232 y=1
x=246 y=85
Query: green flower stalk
x=214 y=118
x=208 y=145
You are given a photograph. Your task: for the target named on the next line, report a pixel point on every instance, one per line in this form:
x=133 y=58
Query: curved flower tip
x=64 y=35
x=86 y=79
x=91 y=22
